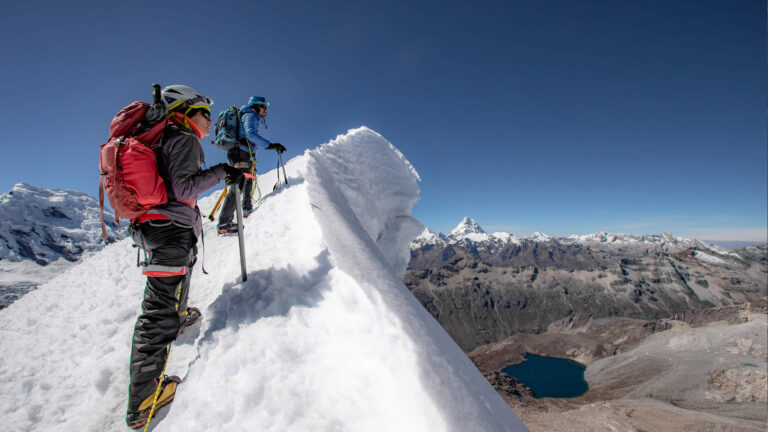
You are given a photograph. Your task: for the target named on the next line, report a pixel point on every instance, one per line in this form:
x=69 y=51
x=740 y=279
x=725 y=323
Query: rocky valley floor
x=705 y=371
x=672 y=331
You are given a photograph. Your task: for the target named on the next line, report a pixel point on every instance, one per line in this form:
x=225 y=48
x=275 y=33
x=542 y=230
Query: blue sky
x=564 y=117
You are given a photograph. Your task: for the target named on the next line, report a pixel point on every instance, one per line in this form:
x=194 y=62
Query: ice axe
x=279 y=164
x=218 y=203
x=240 y=228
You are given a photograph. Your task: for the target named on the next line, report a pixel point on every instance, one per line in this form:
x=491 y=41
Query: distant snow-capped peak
x=429 y=237
x=467 y=226
x=43 y=225
x=538 y=236
x=470 y=229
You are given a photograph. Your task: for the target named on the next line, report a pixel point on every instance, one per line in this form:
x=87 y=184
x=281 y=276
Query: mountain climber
x=242 y=157
x=168 y=235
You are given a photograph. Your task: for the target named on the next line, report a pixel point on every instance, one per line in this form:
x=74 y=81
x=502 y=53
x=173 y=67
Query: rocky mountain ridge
x=485 y=287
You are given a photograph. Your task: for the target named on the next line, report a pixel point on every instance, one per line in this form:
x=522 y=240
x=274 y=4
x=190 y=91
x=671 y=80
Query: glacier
x=45 y=226
x=323 y=336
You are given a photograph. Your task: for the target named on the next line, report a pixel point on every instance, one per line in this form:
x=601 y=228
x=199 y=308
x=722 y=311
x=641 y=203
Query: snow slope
x=322 y=337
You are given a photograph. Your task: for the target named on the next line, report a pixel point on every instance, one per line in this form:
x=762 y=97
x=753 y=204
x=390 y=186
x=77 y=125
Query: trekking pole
x=255 y=182
x=277 y=183
x=239 y=211
x=218 y=203
x=281 y=163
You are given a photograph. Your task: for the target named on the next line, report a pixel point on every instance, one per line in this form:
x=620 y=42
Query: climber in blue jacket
x=253 y=117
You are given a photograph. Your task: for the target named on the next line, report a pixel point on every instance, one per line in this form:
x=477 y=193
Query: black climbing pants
x=172 y=254
x=238 y=158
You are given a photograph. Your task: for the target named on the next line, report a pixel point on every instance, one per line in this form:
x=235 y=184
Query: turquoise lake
x=550 y=376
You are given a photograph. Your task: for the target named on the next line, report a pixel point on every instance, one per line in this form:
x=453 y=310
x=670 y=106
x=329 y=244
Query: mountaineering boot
x=247 y=212
x=138 y=417
x=187 y=318
x=227 y=228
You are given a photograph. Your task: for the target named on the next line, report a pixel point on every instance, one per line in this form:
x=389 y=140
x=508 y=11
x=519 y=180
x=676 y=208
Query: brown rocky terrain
x=585 y=339
x=479 y=302
x=705 y=372
x=673 y=331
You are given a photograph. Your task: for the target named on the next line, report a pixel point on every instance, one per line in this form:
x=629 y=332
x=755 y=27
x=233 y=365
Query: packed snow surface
x=322 y=337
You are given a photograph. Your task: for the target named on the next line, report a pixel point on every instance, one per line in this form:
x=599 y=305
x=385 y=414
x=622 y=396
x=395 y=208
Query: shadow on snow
x=267 y=293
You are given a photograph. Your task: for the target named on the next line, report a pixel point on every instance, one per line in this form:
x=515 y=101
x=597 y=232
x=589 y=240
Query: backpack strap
x=102 y=188
x=247 y=141
x=101 y=208
x=238 y=114
x=162 y=168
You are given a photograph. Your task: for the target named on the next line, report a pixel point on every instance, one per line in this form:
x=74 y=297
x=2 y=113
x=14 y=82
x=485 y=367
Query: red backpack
x=128 y=165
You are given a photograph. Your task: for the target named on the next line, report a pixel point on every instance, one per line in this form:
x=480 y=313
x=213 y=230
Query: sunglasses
x=206 y=114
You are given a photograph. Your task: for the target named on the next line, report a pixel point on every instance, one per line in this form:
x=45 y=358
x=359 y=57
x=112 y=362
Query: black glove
x=276 y=147
x=234 y=175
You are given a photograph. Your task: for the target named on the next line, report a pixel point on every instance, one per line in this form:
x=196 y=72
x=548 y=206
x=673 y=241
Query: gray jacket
x=179 y=161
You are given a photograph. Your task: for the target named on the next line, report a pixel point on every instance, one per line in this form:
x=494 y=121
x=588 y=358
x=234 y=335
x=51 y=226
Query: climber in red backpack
x=168 y=234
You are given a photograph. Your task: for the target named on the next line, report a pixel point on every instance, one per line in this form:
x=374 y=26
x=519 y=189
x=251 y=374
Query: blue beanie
x=258 y=100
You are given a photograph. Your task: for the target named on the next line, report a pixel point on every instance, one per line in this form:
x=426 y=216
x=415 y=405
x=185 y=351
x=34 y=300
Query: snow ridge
x=322 y=336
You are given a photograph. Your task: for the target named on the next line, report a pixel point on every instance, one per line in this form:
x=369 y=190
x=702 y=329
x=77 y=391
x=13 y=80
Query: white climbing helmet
x=180 y=97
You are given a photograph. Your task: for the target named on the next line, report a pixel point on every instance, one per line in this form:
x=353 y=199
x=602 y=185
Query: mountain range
x=484 y=287
x=44 y=232
x=44 y=225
